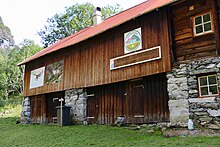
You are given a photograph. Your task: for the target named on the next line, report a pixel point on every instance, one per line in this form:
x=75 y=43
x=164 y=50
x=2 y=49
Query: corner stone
x=179 y=112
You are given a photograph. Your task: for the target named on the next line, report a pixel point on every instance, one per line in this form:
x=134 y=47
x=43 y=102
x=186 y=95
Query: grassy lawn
x=11 y=107
x=12 y=134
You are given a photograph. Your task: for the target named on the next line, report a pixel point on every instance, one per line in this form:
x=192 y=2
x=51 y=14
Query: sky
x=26 y=17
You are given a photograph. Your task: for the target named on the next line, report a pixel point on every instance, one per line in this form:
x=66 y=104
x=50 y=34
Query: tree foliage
x=11 y=81
x=74 y=19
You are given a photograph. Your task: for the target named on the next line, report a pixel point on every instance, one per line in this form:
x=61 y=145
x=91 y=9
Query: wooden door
x=38 y=109
x=105 y=103
x=92 y=108
x=146 y=100
x=134 y=101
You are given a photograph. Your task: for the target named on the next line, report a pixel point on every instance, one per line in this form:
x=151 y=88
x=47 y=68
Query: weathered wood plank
x=186 y=45
x=216 y=24
x=88 y=63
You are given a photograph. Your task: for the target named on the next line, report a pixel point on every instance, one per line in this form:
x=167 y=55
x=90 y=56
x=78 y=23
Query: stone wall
x=201 y=109
x=76 y=99
x=183 y=94
x=178 y=91
x=26 y=111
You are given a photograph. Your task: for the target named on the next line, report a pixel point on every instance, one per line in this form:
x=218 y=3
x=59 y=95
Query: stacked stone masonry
x=76 y=99
x=183 y=91
x=25 y=112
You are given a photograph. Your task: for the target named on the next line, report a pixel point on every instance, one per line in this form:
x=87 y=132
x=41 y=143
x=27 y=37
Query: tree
x=11 y=81
x=2 y=75
x=28 y=48
x=74 y=19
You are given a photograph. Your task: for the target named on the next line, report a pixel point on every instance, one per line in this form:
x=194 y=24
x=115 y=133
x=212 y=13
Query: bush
x=11 y=107
x=2 y=103
x=12 y=101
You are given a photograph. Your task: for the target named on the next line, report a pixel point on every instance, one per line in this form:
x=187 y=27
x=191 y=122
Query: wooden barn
x=128 y=65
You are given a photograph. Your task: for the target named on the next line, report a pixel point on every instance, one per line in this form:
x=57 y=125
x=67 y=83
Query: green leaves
x=11 y=81
x=74 y=19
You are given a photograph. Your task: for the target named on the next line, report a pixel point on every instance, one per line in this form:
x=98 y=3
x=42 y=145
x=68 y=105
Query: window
x=203 y=24
x=208 y=85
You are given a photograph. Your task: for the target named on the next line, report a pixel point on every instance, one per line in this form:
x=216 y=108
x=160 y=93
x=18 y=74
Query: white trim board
x=135 y=63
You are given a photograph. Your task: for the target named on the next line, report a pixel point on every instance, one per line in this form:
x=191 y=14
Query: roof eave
x=29 y=59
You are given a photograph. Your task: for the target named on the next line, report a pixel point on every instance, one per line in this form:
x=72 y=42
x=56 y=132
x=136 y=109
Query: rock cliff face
x=6 y=39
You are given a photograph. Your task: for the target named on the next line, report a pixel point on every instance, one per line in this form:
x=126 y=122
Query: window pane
x=204 y=91
x=213 y=90
x=212 y=80
x=207 y=27
x=203 y=81
x=206 y=17
x=199 y=29
x=198 y=20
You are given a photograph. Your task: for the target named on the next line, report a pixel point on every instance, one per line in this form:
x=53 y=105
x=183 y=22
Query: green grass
x=11 y=111
x=10 y=107
x=12 y=134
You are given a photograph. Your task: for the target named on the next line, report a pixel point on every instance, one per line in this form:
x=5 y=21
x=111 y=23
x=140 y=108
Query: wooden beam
x=216 y=25
x=171 y=37
x=177 y=2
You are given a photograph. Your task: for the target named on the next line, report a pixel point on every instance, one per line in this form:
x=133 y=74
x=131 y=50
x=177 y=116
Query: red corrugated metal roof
x=109 y=23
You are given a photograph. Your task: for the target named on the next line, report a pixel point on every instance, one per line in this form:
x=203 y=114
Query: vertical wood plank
x=216 y=25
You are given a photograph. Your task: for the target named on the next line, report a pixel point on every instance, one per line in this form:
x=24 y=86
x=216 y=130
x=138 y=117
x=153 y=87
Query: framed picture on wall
x=37 y=77
x=54 y=72
x=132 y=41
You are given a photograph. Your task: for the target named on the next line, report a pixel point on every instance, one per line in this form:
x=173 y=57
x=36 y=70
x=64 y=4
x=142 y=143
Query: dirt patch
x=190 y=133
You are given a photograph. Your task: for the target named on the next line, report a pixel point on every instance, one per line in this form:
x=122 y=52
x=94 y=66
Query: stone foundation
x=25 y=112
x=200 y=110
x=178 y=91
x=76 y=99
x=179 y=112
x=183 y=94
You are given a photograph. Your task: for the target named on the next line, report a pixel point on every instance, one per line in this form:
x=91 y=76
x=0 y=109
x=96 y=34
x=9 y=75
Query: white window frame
x=208 y=86
x=203 y=24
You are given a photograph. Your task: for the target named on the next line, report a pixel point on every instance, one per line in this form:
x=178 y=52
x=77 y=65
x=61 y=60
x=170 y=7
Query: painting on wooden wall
x=132 y=41
x=54 y=72
x=37 y=77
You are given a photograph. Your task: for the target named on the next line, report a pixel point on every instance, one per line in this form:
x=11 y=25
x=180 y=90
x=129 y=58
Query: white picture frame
x=37 y=77
x=132 y=40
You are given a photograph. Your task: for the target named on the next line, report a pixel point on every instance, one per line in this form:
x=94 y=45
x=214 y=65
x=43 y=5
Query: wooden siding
x=216 y=6
x=38 y=109
x=186 y=45
x=142 y=100
x=43 y=107
x=87 y=63
x=106 y=104
x=47 y=88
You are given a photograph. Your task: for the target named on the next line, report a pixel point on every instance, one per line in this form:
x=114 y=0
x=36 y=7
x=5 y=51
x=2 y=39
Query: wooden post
x=216 y=25
x=61 y=111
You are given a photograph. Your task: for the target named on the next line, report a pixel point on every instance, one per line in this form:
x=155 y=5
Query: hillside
x=6 y=38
